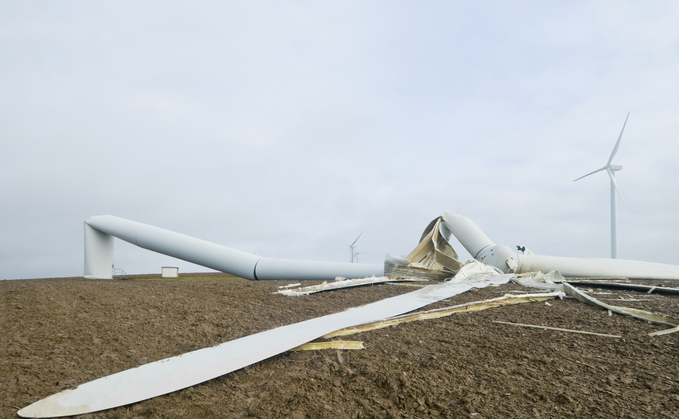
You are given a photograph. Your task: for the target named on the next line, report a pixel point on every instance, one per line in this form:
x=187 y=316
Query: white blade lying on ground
x=172 y=374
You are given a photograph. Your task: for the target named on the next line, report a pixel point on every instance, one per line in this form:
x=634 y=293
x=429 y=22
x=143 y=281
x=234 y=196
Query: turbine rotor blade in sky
x=359 y=236
x=597 y=170
x=351 y=247
x=617 y=144
x=615 y=183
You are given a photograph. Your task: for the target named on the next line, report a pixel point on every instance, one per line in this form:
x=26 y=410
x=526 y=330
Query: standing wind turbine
x=611 y=169
x=352 y=247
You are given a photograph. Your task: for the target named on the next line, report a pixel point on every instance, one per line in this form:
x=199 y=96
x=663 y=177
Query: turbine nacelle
x=500 y=256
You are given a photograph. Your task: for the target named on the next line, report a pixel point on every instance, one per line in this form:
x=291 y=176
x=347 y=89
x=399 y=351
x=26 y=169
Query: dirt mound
x=58 y=333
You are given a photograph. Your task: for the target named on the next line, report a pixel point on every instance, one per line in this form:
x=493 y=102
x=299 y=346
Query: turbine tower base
x=98 y=254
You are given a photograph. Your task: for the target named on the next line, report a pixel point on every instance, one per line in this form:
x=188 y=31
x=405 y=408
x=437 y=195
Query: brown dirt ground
x=58 y=333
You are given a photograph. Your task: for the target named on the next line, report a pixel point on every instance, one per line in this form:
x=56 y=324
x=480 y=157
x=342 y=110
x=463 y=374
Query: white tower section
x=502 y=257
x=98 y=254
x=100 y=230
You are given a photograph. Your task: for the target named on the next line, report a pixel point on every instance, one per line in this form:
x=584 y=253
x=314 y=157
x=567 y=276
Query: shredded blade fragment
x=346 y=283
x=626 y=311
x=664 y=332
x=335 y=344
x=550 y=281
x=559 y=329
x=633 y=287
x=447 y=311
x=432 y=258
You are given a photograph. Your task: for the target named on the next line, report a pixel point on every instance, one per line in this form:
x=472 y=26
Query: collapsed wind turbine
x=498 y=265
x=611 y=169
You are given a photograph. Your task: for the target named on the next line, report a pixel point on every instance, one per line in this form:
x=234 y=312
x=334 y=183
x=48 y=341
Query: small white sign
x=169 y=272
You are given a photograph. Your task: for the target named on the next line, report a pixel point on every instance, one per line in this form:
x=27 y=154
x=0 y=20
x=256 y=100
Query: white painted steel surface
x=172 y=374
x=467 y=233
x=177 y=245
x=294 y=270
x=98 y=254
x=215 y=256
x=578 y=268
x=502 y=257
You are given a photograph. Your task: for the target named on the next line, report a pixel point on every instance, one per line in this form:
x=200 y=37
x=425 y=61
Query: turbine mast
x=614 y=220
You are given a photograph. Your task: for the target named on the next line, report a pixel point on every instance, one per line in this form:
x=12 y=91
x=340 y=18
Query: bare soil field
x=58 y=333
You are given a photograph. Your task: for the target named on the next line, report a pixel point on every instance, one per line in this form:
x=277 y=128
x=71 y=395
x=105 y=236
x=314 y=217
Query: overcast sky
x=286 y=129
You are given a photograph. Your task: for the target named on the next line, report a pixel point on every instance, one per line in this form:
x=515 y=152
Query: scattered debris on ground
x=64 y=332
x=339 y=283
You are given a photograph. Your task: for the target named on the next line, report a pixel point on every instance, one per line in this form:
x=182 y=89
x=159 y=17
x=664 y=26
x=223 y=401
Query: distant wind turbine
x=352 y=247
x=611 y=169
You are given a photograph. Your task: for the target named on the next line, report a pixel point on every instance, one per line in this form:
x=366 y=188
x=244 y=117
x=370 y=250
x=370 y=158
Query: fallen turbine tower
x=101 y=229
x=439 y=255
